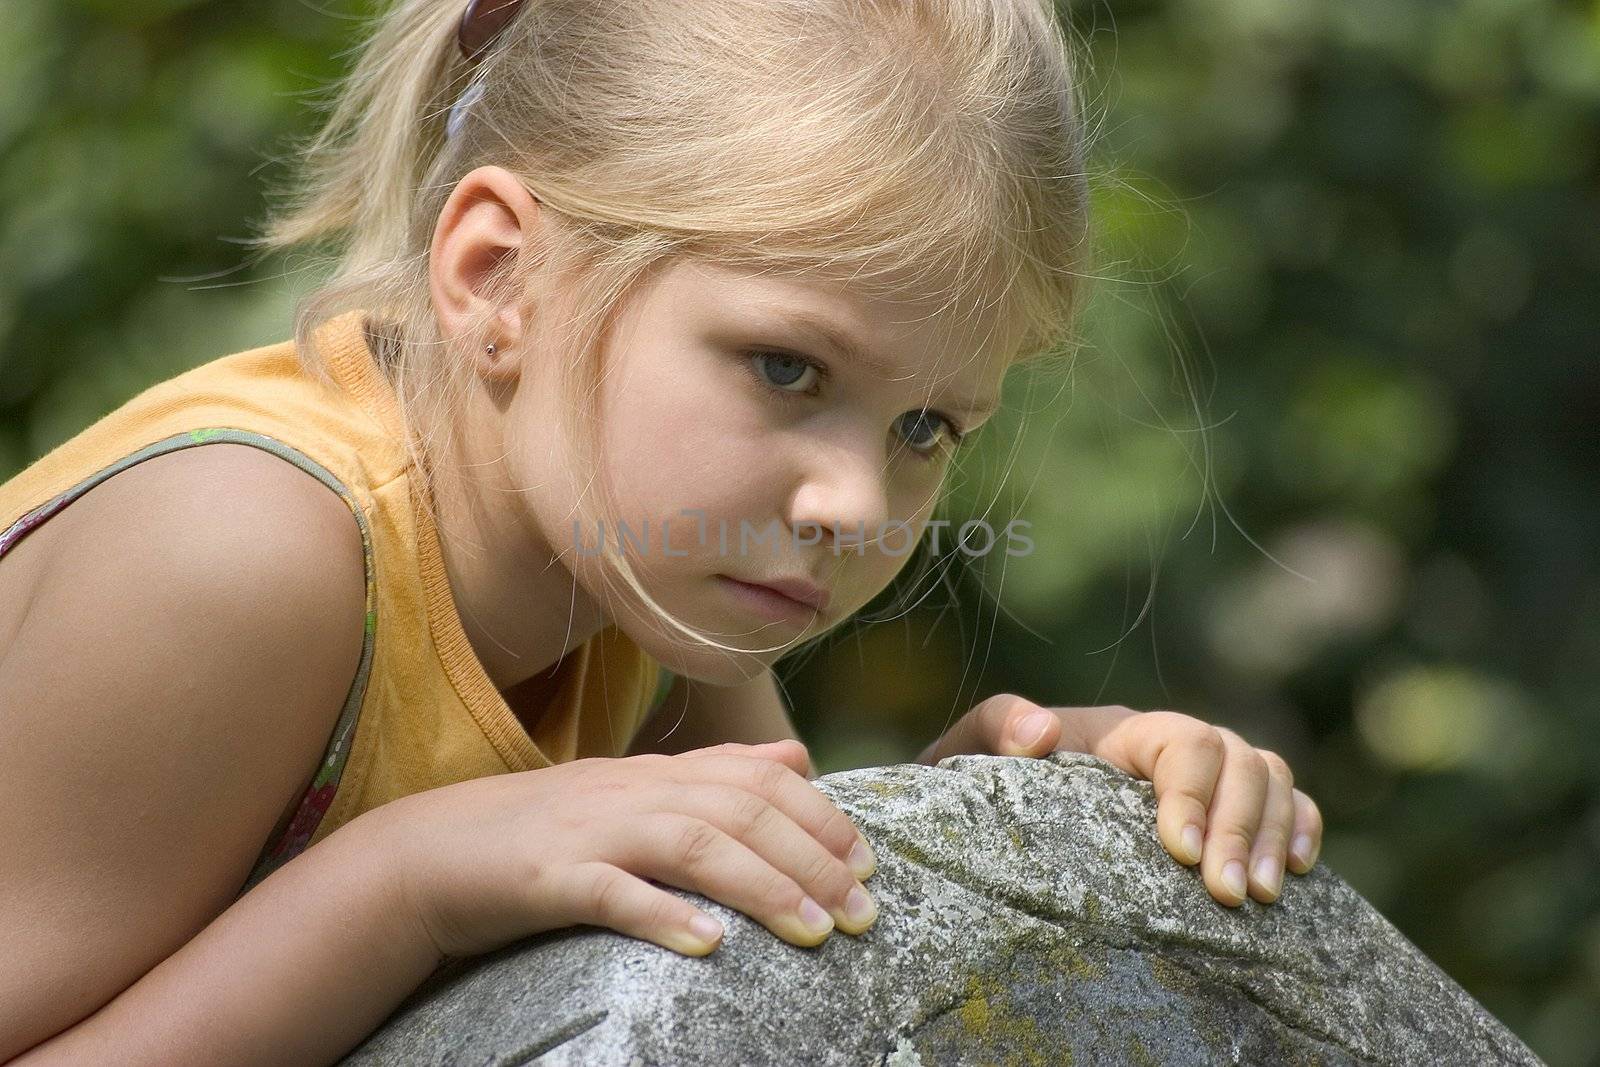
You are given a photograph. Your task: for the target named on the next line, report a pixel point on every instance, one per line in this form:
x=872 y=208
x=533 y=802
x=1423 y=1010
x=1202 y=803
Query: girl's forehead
x=848 y=308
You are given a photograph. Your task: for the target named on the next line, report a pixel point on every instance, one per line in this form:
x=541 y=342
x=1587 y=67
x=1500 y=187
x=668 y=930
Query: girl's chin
x=762 y=626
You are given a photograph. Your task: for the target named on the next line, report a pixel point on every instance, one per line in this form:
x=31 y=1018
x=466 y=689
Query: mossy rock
x=1028 y=915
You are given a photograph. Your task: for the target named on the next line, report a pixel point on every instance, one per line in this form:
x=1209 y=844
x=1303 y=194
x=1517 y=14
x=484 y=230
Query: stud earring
x=489 y=348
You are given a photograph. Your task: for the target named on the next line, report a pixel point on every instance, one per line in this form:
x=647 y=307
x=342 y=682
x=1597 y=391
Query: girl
x=743 y=273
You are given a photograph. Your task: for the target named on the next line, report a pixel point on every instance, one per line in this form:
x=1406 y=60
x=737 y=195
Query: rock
x=1027 y=914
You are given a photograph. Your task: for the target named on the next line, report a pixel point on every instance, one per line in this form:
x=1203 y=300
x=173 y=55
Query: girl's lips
x=766 y=601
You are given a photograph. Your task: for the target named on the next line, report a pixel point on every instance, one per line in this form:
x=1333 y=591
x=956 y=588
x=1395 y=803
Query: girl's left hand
x=1220 y=802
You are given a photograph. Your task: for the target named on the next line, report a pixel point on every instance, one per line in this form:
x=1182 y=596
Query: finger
x=1271 y=845
x=1234 y=817
x=990 y=728
x=1022 y=729
x=768 y=832
x=692 y=854
x=605 y=895
x=1307 y=841
x=1182 y=757
x=791 y=753
x=780 y=785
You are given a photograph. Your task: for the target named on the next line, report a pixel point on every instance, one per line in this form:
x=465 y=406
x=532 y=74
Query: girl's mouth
x=766 y=601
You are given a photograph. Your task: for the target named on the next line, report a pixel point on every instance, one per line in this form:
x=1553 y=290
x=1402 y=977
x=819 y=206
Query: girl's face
x=742 y=445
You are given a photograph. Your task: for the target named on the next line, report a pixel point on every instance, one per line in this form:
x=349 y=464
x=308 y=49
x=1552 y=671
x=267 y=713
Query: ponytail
x=359 y=176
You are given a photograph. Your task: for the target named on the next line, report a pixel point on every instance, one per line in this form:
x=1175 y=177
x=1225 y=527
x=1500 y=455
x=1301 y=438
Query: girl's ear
x=488 y=217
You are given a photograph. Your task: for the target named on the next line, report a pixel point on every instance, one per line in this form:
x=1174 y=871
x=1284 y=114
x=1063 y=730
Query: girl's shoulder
x=190 y=489
x=191 y=546
x=191 y=626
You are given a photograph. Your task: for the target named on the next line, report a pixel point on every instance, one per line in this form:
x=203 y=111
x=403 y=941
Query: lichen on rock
x=1027 y=915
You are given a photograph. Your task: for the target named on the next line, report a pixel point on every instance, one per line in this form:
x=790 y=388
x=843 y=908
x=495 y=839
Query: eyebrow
x=847 y=346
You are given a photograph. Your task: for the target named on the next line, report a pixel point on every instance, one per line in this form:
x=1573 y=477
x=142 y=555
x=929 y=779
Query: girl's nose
x=843 y=497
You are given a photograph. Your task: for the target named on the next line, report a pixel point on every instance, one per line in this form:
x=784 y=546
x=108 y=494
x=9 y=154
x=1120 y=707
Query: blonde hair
x=890 y=142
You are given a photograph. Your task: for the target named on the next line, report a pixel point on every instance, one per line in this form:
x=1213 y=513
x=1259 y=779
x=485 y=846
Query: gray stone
x=1027 y=915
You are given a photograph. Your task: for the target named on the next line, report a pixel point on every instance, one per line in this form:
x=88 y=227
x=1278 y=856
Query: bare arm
x=298 y=971
x=169 y=691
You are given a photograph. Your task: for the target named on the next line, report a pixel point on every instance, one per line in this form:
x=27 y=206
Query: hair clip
x=458 y=110
x=481 y=23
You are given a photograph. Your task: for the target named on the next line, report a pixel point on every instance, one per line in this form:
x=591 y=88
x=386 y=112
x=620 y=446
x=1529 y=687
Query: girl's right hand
x=488 y=861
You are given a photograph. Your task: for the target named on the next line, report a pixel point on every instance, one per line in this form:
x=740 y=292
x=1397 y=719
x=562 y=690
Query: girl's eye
x=783 y=371
x=913 y=425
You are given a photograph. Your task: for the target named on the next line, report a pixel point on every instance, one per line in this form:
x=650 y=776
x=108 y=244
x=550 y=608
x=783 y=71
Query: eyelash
x=954 y=433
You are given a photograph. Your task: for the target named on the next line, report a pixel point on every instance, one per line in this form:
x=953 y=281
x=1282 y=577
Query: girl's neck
x=519 y=604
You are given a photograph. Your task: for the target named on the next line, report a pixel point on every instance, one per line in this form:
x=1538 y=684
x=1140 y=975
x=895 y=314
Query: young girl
x=653 y=325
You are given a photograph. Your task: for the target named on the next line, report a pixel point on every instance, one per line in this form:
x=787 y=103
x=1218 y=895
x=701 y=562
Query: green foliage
x=1325 y=465
x=1323 y=468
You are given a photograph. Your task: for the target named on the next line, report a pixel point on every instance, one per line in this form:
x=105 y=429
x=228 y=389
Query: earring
x=489 y=348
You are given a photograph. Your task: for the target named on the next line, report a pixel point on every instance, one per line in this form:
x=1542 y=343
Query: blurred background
x=1325 y=467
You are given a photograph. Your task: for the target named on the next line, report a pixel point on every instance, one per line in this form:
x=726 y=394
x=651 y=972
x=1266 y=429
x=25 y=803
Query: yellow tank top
x=421 y=711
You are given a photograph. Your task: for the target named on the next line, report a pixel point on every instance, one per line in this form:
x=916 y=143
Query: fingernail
x=1269 y=874
x=705 y=928
x=862 y=861
x=1190 y=842
x=1031 y=729
x=1233 y=878
x=813 y=918
x=859 y=908
x=1302 y=850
